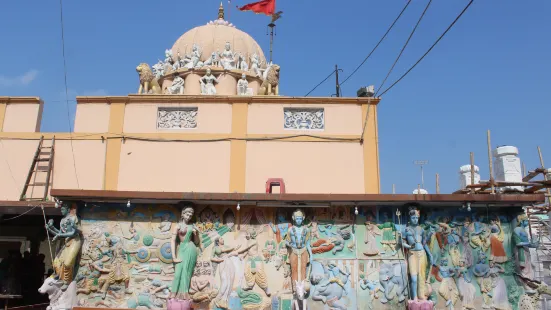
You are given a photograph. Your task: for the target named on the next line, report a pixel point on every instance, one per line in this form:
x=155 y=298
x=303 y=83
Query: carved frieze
x=304 y=118
x=177 y=118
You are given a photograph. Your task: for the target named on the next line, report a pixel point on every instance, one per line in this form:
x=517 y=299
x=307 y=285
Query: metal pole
x=437 y=183
x=472 y=171
x=422 y=178
x=491 y=162
x=543 y=167
x=337 y=86
x=394 y=188
x=272 y=26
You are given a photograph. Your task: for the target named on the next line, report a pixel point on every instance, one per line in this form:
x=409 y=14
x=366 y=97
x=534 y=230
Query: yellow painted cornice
x=20 y=100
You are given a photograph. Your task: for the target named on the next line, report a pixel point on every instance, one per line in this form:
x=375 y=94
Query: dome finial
x=221 y=11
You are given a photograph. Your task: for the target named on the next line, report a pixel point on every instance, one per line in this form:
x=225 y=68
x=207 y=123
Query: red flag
x=261 y=7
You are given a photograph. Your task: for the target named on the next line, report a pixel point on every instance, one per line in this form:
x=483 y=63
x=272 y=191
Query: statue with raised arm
x=418 y=251
x=301 y=252
x=169 y=62
x=69 y=232
x=185 y=239
x=207 y=83
x=158 y=69
x=194 y=59
x=227 y=58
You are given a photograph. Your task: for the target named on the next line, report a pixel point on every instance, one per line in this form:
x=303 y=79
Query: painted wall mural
x=215 y=257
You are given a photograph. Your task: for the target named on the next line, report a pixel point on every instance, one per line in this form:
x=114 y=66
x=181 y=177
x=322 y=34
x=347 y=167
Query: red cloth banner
x=261 y=7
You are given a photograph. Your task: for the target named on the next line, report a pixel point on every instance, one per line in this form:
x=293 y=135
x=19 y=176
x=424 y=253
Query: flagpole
x=272 y=26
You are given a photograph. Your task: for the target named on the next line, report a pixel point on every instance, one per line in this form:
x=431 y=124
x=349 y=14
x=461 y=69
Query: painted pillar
x=113 y=149
x=371 y=150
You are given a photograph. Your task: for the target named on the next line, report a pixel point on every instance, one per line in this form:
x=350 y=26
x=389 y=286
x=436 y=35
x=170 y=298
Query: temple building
x=206 y=189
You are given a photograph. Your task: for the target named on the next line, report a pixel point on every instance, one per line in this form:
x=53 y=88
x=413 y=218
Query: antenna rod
x=490 y=161
x=472 y=171
x=543 y=167
x=437 y=183
x=337 y=85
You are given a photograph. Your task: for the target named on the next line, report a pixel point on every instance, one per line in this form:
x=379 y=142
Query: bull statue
x=59 y=299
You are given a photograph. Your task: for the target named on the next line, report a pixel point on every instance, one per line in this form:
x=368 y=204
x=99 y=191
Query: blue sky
x=490 y=72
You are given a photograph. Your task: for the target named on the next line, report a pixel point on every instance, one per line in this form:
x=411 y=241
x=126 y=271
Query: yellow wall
x=251 y=146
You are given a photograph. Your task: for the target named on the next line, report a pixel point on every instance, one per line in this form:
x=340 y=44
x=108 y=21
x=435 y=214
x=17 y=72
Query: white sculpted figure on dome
x=243 y=86
x=213 y=61
x=159 y=69
x=227 y=58
x=193 y=60
x=169 y=61
x=242 y=62
x=177 y=87
x=256 y=64
x=207 y=83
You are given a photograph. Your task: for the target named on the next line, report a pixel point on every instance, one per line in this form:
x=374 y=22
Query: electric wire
x=125 y=137
x=404 y=47
x=332 y=72
x=8 y=164
x=66 y=88
x=430 y=49
x=19 y=215
x=378 y=43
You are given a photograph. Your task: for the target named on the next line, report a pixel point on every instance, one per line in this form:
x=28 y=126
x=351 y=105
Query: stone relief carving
x=177 y=118
x=304 y=119
x=258 y=258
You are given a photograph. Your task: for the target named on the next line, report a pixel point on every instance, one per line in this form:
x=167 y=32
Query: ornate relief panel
x=304 y=118
x=259 y=258
x=177 y=118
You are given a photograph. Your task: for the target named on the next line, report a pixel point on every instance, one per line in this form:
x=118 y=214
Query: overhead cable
x=430 y=49
x=404 y=47
x=66 y=88
x=379 y=43
x=332 y=72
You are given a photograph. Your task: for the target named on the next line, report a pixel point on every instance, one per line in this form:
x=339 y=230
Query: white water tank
x=420 y=191
x=465 y=176
x=507 y=166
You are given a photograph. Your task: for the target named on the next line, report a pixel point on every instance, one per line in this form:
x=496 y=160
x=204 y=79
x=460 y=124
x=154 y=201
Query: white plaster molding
x=177 y=118
x=304 y=118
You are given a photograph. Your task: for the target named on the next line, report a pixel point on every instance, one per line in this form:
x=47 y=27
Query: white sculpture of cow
x=59 y=300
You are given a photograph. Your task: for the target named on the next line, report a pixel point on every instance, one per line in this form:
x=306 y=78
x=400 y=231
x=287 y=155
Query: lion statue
x=270 y=83
x=148 y=82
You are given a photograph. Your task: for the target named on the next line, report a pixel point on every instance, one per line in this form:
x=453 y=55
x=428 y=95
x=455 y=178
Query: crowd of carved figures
x=214 y=257
x=227 y=60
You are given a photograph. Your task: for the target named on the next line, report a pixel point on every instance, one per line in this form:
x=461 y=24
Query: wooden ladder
x=43 y=154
